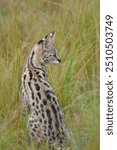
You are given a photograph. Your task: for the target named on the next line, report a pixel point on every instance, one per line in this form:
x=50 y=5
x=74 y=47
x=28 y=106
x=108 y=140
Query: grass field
x=75 y=80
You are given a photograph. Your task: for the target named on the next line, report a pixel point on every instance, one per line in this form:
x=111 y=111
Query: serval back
x=46 y=121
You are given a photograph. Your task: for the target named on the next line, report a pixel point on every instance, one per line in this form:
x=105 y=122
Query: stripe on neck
x=33 y=65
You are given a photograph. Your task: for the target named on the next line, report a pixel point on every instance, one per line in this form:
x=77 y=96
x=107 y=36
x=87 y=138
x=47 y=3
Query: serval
x=46 y=121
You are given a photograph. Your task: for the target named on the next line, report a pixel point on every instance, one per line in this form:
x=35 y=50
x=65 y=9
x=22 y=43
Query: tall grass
x=75 y=80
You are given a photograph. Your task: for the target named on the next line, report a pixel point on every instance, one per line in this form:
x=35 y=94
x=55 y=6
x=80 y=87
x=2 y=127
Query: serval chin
x=46 y=121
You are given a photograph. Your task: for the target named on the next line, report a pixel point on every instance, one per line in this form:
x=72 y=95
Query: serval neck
x=39 y=69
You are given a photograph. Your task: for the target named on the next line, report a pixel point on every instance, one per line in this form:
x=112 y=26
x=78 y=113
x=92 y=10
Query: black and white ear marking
x=50 y=37
x=41 y=41
x=47 y=39
x=51 y=34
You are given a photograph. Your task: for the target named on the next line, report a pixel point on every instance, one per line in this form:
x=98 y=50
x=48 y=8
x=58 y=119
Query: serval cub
x=46 y=122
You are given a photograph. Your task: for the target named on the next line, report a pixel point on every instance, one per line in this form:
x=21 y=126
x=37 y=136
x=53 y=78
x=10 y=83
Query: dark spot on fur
x=44 y=102
x=45 y=121
x=53 y=137
x=36 y=112
x=37 y=100
x=46 y=84
x=52 y=132
x=41 y=105
x=36 y=121
x=54 y=100
x=44 y=74
x=32 y=95
x=37 y=73
x=35 y=126
x=33 y=104
x=37 y=106
x=49 y=126
x=63 y=133
x=58 y=108
x=39 y=95
x=24 y=76
x=49 y=119
x=50 y=139
x=39 y=76
x=37 y=87
x=48 y=114
x=34 y=129
x=49 y=97
x=53 y=109
x=40 y=80
x=56 y=125
x=43 y=115
x=34 y=79
x=40 y=120
x=31 y=121
x=50 y=123
x=30 y=74
x=60 y=118
x=47 y=93
x=32 y=134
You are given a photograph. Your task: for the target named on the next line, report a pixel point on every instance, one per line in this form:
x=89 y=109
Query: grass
x=75 y=80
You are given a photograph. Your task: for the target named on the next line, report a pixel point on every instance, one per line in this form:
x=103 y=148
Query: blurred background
x=75 y=80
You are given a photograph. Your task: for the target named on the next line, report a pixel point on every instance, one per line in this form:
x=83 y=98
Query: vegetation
x=75 y=80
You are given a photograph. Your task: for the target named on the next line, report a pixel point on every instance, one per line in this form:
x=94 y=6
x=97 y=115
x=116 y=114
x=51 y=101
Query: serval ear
x=47 y=39
x=50 y=38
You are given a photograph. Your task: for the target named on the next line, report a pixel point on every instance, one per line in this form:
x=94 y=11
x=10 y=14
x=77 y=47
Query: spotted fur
x=46 y=121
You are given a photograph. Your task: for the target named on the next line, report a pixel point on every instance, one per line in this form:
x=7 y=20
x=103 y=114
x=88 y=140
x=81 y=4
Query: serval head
x=45 y=52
